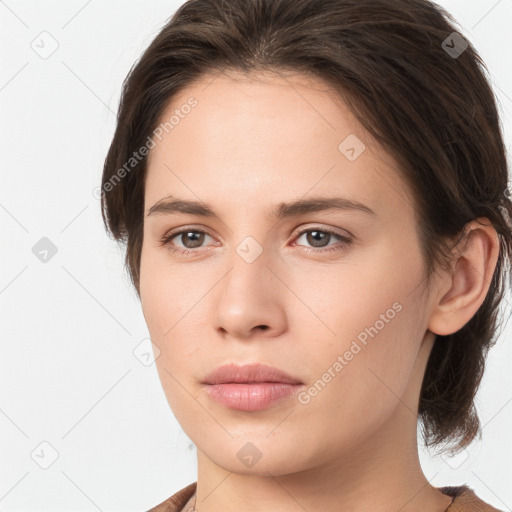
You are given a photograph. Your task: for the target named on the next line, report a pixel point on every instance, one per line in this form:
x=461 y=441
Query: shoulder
x=465 y=500
x=176 y=502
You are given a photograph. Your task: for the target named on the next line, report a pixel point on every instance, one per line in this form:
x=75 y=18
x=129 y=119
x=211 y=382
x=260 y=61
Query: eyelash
x=167 y=238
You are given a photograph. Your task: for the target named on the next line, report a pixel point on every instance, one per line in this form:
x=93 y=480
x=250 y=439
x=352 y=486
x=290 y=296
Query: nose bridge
x=249 y=271
x=247 y=294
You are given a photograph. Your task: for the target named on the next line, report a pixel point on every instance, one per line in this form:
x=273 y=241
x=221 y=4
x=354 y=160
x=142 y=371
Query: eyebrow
x=280 y=211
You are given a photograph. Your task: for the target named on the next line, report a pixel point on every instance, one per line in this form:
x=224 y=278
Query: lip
x=251 y=387
x=248 y=374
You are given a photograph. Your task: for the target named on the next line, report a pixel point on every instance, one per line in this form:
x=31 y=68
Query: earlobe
x=468 y=282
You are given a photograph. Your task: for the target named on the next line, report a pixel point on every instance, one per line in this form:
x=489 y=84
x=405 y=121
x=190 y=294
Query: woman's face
x=331 y=296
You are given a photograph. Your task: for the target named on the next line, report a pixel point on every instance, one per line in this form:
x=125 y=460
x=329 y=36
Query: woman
x=313 y=194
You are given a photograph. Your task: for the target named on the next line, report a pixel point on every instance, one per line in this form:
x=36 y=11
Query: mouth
x=252 y=387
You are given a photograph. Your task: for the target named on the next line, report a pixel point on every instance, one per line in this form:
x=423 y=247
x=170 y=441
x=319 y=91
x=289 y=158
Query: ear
x=462 y=290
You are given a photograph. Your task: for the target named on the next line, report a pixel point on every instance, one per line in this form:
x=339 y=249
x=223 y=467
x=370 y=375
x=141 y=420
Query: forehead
x=275 y=135
x=257 y=107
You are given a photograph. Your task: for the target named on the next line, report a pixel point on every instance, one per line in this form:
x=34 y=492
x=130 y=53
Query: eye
x=189 y=238
x=319 y=239
x=193 y=239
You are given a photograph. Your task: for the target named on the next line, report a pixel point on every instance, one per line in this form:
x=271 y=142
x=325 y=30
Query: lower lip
x=251 y=397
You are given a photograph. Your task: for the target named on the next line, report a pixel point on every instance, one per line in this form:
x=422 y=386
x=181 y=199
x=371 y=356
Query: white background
x=68 y=375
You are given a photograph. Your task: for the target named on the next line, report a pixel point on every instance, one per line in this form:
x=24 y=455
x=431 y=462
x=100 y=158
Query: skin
x=252 y=142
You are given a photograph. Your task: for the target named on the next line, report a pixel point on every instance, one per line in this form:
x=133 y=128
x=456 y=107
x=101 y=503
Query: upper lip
x=248 y=374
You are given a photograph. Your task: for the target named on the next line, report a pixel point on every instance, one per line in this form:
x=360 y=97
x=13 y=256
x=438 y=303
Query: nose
x=250 y=298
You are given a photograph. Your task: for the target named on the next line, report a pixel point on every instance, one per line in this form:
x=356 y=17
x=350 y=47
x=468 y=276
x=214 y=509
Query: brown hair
x=432 y=109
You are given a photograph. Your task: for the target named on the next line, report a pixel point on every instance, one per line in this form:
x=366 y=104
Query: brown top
x=464 y=500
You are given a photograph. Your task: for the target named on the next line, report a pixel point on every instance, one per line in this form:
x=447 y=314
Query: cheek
x=162 y=306
x=365 y=298
x=172 y=331
x=369 y=334
x=167 y=292
x=175 y=316
x=357 y=384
